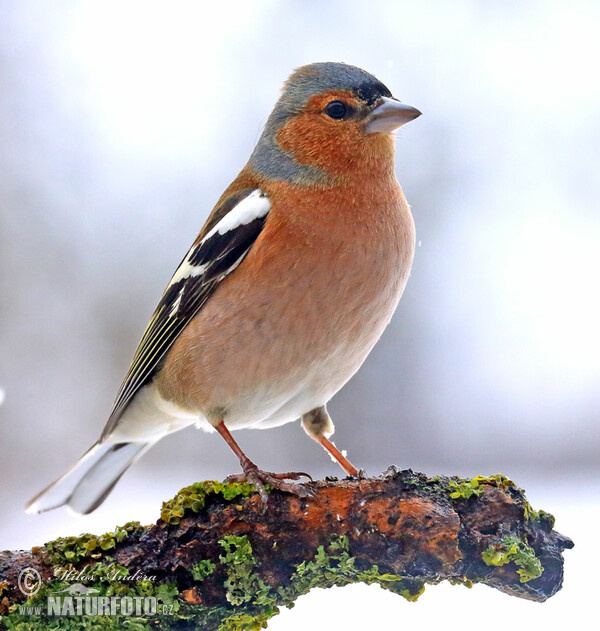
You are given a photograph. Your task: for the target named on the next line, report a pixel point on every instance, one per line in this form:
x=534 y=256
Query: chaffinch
x=283 y=294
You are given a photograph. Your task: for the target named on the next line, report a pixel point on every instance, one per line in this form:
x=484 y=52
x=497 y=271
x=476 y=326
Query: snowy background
x=120 y=125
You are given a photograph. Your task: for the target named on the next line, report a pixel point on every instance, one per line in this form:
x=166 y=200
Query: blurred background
x=120 y=125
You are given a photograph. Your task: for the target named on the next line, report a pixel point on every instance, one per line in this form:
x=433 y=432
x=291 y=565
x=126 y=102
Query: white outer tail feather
x=89 y=481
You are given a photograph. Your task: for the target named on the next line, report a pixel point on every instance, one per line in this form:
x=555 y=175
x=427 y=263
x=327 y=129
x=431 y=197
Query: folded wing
x=214 y=255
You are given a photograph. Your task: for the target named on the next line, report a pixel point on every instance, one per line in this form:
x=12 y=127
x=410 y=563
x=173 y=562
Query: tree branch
x=221 y=559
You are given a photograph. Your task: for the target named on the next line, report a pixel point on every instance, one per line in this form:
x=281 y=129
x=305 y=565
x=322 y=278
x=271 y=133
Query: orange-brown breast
x=306 y=305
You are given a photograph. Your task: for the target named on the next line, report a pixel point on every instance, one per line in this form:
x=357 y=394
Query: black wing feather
x=182 y=300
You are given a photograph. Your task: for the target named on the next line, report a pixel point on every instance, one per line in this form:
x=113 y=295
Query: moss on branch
x=219 y=559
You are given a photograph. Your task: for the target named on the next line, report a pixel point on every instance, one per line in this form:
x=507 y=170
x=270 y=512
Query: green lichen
x=465 y=582
x=335 y=566
x=71 y=550
x=245 y=622
x=202 y=569
x=464 y=488
x=513 y=550
x=546 y=518
x=541 y=516
x=252 y=600
x=243 y=584
x=193 y=498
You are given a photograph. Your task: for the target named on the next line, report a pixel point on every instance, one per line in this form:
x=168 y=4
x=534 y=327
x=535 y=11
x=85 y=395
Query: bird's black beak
x=389 y=115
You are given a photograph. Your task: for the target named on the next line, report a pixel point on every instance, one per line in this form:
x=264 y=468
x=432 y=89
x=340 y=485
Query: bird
x=284 y=292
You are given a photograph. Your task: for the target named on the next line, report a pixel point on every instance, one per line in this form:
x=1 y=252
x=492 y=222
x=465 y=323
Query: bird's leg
x=346 y=465
x=254 y=475
x=318 y=425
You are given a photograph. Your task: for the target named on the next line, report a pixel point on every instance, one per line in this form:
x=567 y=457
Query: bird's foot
x=260 y=478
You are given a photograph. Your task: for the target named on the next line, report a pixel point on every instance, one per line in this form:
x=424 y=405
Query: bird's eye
x=336 y=110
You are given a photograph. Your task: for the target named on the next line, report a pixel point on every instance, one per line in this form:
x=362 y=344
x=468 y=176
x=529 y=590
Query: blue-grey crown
x=320 y=77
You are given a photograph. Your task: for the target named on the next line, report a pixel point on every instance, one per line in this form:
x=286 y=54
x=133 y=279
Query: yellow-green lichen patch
x=65 y=550
x=513 y=550
x=465 y=582
x=252 y=601
x=193 y=498
x=243 y=584
x=464 y=488
x=335 y=566
x=202 y=569
x=245 y=622
x=546 y=519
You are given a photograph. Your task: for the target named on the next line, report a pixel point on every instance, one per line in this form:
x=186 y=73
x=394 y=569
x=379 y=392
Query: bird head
x=331 y=119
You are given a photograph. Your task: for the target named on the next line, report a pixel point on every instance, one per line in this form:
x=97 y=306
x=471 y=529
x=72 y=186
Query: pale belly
x=301 y=382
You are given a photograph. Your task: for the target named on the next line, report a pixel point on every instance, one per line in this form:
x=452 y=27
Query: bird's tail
x=89 y=481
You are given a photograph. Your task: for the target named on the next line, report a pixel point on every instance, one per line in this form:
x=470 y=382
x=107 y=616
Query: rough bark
x=232 y=561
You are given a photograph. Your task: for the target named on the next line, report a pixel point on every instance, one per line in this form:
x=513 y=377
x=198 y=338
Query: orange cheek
x=314 y=141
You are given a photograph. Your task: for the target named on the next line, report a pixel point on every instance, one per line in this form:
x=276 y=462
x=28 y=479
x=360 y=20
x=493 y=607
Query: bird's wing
x=215 y=254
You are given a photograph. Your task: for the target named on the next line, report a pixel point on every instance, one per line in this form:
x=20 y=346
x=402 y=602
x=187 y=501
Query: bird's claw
x=259 y=478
